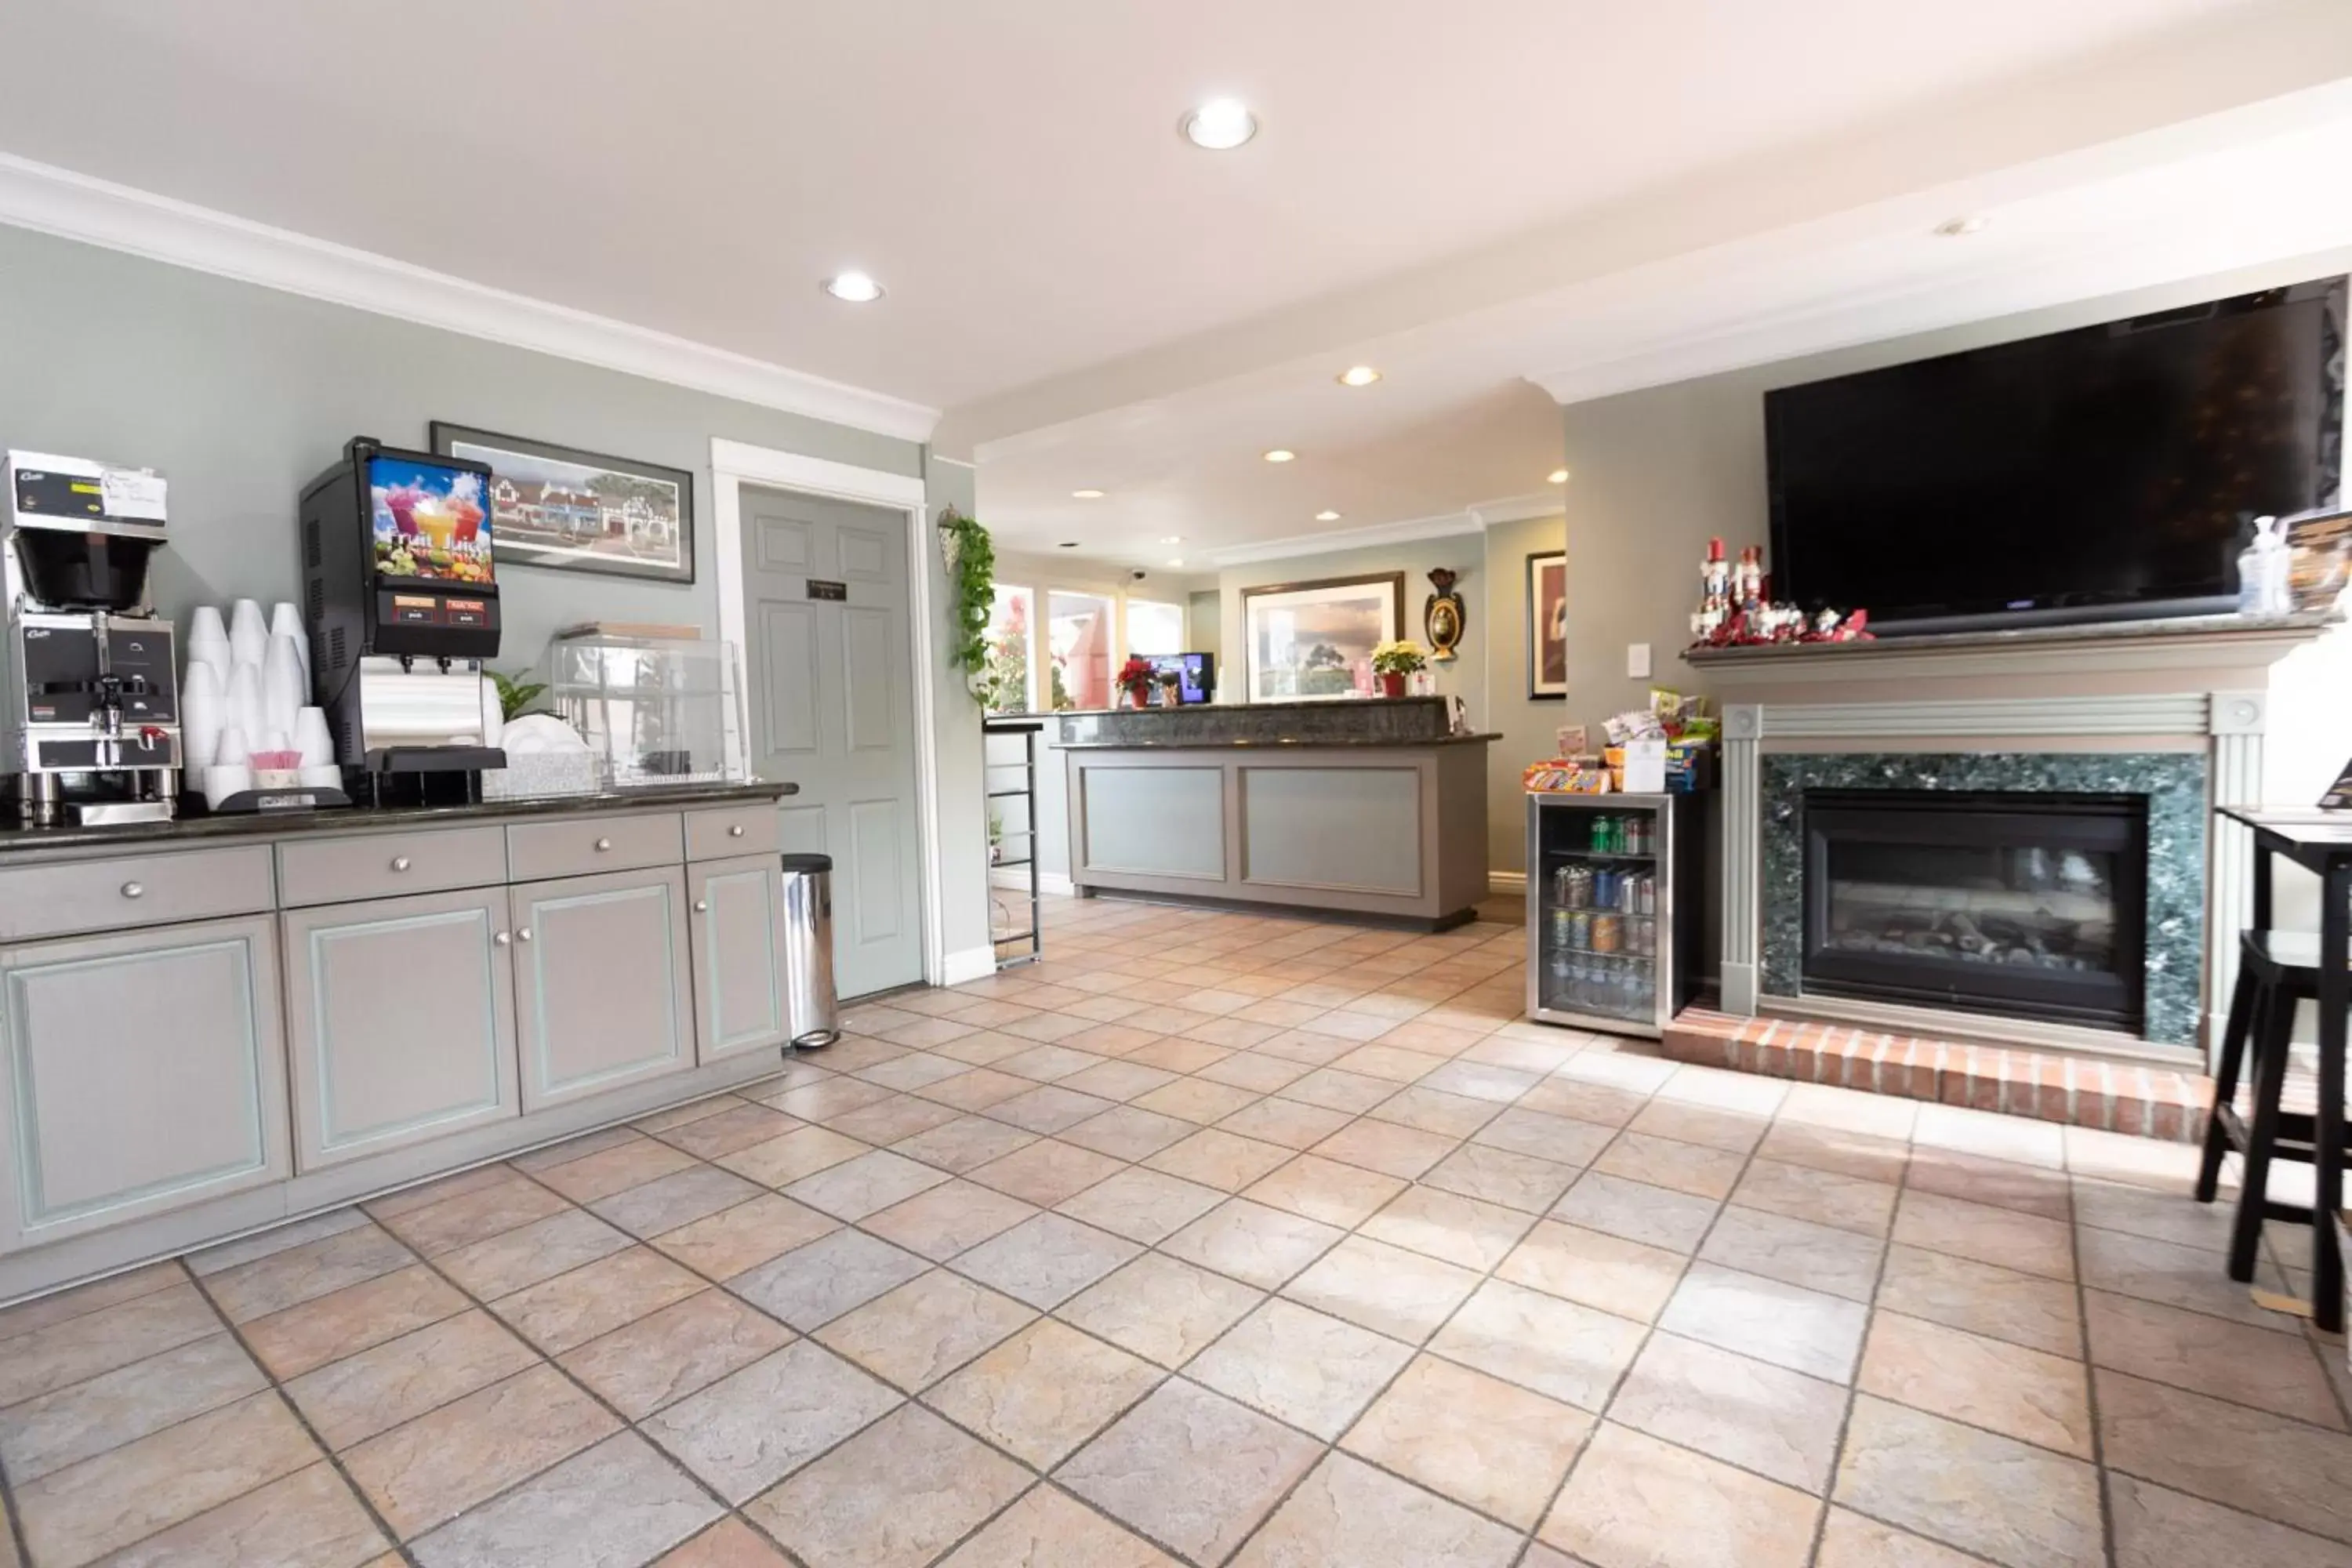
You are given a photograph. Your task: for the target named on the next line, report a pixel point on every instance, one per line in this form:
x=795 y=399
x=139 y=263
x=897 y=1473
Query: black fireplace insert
x=2027 y=905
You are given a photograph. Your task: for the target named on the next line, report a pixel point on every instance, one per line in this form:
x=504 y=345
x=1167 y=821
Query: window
x=1009 y=688
x=1077 y=639
x=1154 y=628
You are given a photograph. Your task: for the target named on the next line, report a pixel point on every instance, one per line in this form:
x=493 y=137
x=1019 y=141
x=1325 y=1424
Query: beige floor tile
x=889 y=1121
x=1986 y=1235
x=498 y=1207
x=1191 y=1468
x=331 y=1327
x=753 y=1428
x=1326 y=1191
x=2023 y=1309
x=1252 y=1070
x=2246 y=1459
x=2005 y=1500
x=2017 y=1139
x=2274 y=1371
x=1142 y=1205
x=1047 y=1529
x=1540 y=1135
x=723 y=1245
x=1453 y=1116
x=2164 y=1216
x=1998 y=1184
x=1636 y=1502
x=2158 y=1528
x=1557 y=1348
x=967 y=1142
x=1045 y=1172
x=925 y=1329
x=1385 y=1289
x=737 y=1126
x=2024 y=1393
x=1804 y=1330
x=1051 y=1063
x=1731 y=1131
x=1401 y=1152
x=668 y=1354
x=1580 y=1099
x=620 y=1501
x=1177 y=1054
x=1045 y=1261
x=1346 y=1512
x=1301 y=1366
x=1163 y=1311
x=783 y=1160
x=305 y=1273
x=1128 y=1132
x=1624 y=1277
x=867 y=1184
x=428 y=1471
x=310 y=1519
x=730 y=1543
x=895 y=1496
x=613 y=1170
x=1048 y=1108
x=813 y=1285
x=1336 y=1090
x=1824 y=1197
x=1305 y=1049
x=1779 y=1424
x=85 y=1419
x=1256 y=1245
x=979 y=1090
x=1849 y=1540
x=2185 y=1277
x=1443 y=1225
x=378 y=1389
x=1637 y=1211
x=948 y=1218
x=1692 y=1168
x=573 y=1308
x=1292 y=1124
x=1865 y=1155
x=580 y=1148
x=505 y=1264
x=1502 y=1176
x=83 y=1300
x=1477 y=1440
x=67 y=1352
x=1840 y=1262
x=1044 y=1391
x=1219 y=1159
x=1197 y=1099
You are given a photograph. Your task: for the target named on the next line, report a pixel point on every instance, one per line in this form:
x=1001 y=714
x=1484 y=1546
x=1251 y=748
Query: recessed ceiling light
x=1954 y=227
x=1326 y=515
x=1069 y=544
x=1280 y=455
x=1086 y=495
x=1219 y=125
x=1358 y=375
x=1172 y=539
x=1557 y=477
x=853 y=288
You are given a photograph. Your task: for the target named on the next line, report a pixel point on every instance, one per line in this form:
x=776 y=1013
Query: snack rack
x=1613 y=906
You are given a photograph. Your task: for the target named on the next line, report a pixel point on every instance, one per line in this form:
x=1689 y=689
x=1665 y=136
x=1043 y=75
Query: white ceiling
x=1467 y=196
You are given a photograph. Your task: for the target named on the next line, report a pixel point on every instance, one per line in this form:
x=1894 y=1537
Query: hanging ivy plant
x=971 y=574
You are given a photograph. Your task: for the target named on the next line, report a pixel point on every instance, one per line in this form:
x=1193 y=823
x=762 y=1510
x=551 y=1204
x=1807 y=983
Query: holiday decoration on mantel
x=1736 y=607
x=1441 y=616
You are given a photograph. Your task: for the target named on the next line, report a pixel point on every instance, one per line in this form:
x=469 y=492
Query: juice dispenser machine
x=91 y=731
x=403 y=602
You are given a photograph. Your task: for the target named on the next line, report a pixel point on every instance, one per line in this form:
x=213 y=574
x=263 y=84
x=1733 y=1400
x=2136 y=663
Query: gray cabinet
x=739 y=955
x=402 y=1021
x=144 y=1071
x=600 y=992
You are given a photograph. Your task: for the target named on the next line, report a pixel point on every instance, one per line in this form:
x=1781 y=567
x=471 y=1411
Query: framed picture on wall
x=1313 y=641
x=581 y=512
x=1547 y=625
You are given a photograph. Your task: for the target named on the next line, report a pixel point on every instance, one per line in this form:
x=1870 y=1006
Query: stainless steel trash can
x=809 y=1002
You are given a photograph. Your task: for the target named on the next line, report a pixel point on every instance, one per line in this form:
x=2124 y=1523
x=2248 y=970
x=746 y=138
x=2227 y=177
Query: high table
x=2320 y=842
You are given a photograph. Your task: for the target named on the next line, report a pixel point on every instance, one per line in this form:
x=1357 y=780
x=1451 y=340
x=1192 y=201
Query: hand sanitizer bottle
x=2263 y=588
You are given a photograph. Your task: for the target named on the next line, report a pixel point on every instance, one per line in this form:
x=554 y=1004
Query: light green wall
x=1464 y=678
x=1526 y=725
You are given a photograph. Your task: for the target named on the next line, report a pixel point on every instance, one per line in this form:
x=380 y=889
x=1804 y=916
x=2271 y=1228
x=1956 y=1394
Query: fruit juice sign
x=430 y=521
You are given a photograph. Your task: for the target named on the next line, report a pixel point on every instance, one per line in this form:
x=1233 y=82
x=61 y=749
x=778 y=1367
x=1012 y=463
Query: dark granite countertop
x=2307 y=623
x=204 y=829
x=1303 y=743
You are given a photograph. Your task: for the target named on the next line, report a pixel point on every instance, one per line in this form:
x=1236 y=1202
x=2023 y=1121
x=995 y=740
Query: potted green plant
x=1135 y=678
x=1393 y=661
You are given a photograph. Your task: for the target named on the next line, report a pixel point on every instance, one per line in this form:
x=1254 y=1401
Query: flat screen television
x=2108 y=472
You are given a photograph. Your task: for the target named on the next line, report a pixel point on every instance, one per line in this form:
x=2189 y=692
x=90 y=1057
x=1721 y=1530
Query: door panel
x=831 y=701
x=600 y=984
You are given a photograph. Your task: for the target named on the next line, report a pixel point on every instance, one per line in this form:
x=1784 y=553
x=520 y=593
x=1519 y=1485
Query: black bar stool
x=2276 y=969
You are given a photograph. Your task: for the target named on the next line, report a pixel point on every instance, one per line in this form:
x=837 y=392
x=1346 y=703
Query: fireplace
x=2024 y=904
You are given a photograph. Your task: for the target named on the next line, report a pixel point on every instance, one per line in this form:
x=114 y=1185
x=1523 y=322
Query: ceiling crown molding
x=117 y=217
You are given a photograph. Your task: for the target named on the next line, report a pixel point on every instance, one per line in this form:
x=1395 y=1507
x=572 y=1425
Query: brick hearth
x=2119 y=1097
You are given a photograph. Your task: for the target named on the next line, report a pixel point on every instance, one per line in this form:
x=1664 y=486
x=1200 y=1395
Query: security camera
x=1139 y=574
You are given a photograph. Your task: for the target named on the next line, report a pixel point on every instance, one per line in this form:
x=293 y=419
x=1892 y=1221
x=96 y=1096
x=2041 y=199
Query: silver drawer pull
x=603 y=844
x=524 y=935
x=502 y=939
x=134 y=890
x=702 y=906
x=400 y=862
x=736 y=831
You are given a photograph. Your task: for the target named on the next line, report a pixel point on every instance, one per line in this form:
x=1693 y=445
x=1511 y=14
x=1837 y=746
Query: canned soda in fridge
x=1580 y=929
x=1608 y=933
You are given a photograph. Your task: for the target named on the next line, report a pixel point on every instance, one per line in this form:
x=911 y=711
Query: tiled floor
x=1216 y=1238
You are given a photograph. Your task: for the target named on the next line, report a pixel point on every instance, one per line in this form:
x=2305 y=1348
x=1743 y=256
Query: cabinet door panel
x=600 y=982
x=403 y=1022
x=738 y=954
x=144 y=1071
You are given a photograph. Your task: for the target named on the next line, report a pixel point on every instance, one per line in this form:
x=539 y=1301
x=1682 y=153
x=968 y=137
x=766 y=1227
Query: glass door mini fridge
x=1613 y=903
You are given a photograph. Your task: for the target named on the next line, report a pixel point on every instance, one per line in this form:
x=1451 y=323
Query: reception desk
x=1364 y=807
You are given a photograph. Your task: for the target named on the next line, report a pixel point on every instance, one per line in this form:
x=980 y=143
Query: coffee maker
x=403 y=601
x=91 y=710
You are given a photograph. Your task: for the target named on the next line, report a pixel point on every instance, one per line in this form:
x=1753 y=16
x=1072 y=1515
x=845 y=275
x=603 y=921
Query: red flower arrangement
x=1135 y=677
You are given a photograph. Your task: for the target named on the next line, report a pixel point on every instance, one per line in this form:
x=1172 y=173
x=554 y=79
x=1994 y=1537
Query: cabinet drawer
x=719 y=832
x=388 y=865
x=133 y=891
x=582 y=845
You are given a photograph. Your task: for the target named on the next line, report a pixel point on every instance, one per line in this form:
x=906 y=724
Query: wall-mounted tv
x=2108 y=472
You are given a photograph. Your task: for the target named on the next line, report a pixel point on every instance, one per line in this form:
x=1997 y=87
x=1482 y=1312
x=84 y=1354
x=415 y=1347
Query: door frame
x=734 y=463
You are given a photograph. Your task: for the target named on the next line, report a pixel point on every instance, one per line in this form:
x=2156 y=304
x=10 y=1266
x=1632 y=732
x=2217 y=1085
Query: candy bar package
x=2319 y=559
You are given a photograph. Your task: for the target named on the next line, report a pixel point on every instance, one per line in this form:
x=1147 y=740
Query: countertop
x=2308 y=623
x=1318 y=743
x=206 y=828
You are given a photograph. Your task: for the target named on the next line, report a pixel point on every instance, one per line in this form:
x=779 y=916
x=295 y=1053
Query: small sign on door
x=819 y=588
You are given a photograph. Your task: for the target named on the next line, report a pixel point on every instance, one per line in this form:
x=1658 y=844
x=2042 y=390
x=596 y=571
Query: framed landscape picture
x=581 y=512
x=1313 y=641
x=1547 y=625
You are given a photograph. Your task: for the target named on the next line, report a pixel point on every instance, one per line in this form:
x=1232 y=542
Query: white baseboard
x=1016 y=879
x=972 y=964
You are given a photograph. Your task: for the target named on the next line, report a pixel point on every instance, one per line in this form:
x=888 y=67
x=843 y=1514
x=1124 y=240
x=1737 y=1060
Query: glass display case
x=654 y=711
x=1612 y=909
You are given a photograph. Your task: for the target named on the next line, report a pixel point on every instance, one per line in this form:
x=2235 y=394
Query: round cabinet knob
x=400 y=862
x=134 y=890
x=524 y=934
x=702 y=906
x=603 y=844
x=502 y=939
x=736 y=831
